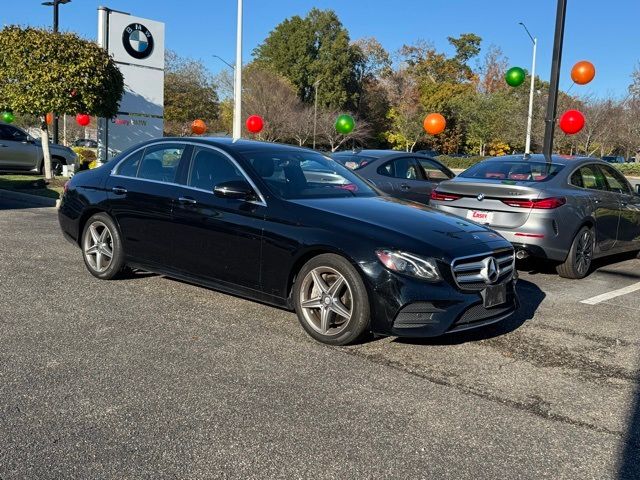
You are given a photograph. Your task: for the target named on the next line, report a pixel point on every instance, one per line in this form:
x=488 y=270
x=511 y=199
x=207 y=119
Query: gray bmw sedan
x=569 y=210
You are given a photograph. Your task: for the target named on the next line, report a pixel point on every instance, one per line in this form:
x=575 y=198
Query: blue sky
x=605 y=33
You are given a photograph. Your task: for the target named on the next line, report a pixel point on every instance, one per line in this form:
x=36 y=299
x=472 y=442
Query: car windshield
x=351 y=160
x=514 y=170
x=301 y=174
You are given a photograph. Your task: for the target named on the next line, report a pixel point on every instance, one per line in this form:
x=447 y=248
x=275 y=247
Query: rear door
x=141 y=192
x=16 y=151
x=605 y=204
x=402 y=179
x=629 y=204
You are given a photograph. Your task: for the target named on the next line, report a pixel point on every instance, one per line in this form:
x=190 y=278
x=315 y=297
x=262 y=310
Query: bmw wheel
x=580 y=255
x=331 y=300
x=102 y=247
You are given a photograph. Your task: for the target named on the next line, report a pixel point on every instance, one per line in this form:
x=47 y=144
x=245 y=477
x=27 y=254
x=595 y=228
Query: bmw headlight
x=423 y=268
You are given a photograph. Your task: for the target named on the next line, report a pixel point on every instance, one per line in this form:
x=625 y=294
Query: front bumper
x=408 y=307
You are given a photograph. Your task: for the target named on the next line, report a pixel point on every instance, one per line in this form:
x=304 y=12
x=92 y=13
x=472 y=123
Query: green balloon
x=8 y=117
x=515 y=76
x=345 y=124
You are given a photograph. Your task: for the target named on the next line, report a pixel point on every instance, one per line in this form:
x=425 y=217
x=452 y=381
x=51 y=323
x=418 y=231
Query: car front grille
x=466 y=270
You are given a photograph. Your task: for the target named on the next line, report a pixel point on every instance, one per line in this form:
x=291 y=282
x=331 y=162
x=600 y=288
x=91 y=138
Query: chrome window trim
x=262 y=202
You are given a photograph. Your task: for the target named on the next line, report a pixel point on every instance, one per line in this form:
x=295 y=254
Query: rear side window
x=160 y=162
x=432 y=171
x=404 y=168
x=351 y=161
x=519 y=171
x=129 y=168
x=590 y=177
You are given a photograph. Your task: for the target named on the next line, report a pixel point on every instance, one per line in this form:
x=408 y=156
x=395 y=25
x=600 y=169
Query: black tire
x=578 y=262
x=56 y=167
x=354 y=297
x=112 y=242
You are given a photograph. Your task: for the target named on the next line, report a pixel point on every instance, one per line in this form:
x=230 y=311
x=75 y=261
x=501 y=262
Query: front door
x=216 y=238
x=141 y=193
x=17 y=152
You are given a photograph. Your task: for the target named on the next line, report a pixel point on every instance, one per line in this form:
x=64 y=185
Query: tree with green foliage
x=189 y=93
x=313 y=49
x=43 y=72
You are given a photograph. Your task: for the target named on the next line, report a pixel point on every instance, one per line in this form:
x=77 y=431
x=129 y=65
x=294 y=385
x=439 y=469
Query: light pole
x=237 y=84
x=527 y=149
x=55 y=4
x=315 y=112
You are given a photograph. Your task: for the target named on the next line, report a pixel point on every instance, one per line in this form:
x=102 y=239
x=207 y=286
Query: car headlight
x=403 y=262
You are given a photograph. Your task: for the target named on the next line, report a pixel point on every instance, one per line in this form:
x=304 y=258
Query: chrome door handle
x=119 y=190
x=404 y=186
x=187 y=200
x=2 y=145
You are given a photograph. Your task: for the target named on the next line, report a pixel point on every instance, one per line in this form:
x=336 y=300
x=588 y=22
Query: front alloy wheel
x=331 y=300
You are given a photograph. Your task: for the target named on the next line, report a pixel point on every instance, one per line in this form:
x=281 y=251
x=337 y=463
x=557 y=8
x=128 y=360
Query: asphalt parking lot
x=148 y=377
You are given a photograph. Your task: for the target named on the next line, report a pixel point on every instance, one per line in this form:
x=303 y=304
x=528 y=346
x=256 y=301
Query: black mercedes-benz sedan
x=289 y=227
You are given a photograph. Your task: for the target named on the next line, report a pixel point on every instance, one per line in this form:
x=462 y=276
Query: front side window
x=129 y=167
x=404 y=168
x=10 y=133
x=615 y=180
x=160 y=162
x=432 y=171
x=210 y=168
x=523 y=171
x=299 y=174
x=351 y=160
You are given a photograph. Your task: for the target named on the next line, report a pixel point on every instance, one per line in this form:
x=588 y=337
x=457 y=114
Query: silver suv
x=21 y=152
x=570 y=209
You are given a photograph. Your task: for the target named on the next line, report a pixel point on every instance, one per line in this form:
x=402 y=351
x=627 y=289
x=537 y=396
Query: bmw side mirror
x=236 y=189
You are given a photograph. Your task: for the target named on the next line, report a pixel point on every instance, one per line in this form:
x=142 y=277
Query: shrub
x=86 y=156
x=629 y=169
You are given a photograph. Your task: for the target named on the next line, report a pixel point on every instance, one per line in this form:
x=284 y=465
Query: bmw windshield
x=513 y=170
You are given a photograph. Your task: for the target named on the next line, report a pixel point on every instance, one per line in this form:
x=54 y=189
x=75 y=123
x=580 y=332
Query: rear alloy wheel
x=580 y=255
x=102 y=247
x=331 y=300
x=56 y=167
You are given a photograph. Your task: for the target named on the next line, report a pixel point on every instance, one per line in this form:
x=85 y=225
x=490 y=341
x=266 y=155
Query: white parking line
x=612 y=294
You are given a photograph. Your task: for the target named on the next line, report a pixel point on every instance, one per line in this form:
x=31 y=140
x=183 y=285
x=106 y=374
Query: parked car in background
x=613 y=159
x=570 y=210
x=19 y=152
x=409 y=176
x=85 y=142
x=289 y=227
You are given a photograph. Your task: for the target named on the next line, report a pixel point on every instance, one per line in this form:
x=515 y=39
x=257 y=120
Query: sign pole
x=103 y=123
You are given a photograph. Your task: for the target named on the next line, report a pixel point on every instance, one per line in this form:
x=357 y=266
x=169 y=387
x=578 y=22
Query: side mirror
x=236 y=189
x=638 y=189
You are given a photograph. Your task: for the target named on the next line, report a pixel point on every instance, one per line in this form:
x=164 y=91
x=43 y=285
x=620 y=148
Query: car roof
x=538 y=157
x=377 y=153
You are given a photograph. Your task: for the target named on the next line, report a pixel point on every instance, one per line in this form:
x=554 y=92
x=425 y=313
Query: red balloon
x=583 y=72
x=198 y=127
x=83 y=119
x=571 y=122
x=255 y=123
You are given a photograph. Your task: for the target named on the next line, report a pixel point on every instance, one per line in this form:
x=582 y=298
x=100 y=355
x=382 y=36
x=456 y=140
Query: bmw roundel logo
x=480 y=197
x=137 y=41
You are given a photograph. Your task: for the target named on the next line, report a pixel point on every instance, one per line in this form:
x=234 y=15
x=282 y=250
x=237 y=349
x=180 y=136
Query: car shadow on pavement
x=537 y=267
x=630 y=461
x=530 y=299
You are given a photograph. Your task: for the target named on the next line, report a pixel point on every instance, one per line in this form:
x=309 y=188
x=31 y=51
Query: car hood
x=54 y=146
x=414 y=221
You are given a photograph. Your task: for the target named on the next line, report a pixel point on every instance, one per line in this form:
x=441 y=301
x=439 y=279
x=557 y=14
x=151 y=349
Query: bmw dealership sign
x=137 y=46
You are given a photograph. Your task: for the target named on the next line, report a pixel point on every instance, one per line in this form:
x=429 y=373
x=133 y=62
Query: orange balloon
x=434 y=123
x=583 y=72
x=49 y=118
x=198 y=127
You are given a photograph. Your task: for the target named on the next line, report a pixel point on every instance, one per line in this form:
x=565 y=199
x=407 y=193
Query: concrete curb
x=35 y=200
